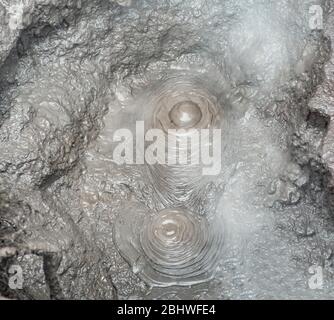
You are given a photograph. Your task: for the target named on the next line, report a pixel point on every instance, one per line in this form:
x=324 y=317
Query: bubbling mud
x=185 y=114
x=181 y=107
x=171 y=247
x=180 y=241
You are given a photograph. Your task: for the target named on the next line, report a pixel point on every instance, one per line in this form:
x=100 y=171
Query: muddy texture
x=73 y=71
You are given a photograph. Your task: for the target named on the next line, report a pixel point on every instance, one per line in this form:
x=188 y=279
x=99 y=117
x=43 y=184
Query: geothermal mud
x=73 y=72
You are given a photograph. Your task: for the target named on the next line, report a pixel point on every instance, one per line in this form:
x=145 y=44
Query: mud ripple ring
x=171 y=247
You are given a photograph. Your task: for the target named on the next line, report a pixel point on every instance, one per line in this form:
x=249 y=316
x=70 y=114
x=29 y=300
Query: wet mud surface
x=73 y=72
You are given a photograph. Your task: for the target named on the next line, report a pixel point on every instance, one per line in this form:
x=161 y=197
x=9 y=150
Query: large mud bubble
x=72 y=72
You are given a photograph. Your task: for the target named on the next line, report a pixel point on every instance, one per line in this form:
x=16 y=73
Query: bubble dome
x=181 y=106
x=184 y=104
x=171 y=247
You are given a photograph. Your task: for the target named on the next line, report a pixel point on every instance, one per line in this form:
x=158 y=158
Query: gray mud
x=72 y=72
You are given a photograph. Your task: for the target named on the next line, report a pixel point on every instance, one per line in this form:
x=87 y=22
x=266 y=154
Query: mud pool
x=73 y=72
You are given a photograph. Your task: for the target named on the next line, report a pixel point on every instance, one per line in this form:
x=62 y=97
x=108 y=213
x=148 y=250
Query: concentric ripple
x=180 y=106
x=172 y=247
